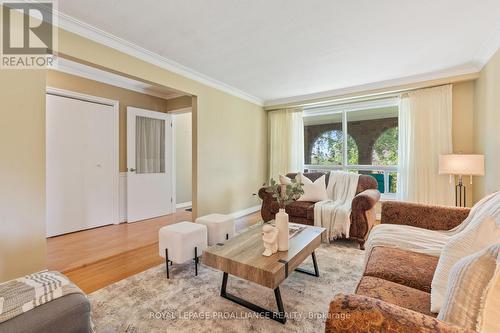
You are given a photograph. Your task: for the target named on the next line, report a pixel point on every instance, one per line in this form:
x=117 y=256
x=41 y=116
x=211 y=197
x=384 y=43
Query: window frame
x=344 y=109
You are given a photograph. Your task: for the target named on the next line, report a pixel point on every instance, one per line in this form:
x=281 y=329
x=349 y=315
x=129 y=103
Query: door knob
x=131 y=169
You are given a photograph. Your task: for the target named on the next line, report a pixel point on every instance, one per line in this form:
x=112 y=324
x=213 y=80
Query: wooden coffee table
x=241 y=256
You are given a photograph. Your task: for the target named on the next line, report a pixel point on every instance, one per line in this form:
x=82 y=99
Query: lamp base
x=460 y=194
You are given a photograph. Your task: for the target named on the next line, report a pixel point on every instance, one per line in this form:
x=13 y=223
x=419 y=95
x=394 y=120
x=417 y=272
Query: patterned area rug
x=148 y=302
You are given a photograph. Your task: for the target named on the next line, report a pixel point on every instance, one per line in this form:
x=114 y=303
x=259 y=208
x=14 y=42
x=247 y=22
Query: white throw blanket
x=334 y=214
x=429 y=241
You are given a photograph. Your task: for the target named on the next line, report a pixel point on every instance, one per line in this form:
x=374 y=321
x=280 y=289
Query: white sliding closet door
x=81 y=162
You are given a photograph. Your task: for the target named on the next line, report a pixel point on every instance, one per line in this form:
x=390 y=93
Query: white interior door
x=81 y=164
x=150 y=164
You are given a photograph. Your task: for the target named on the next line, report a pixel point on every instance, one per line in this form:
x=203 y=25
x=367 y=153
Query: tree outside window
x=385 y=149
x=327 y=149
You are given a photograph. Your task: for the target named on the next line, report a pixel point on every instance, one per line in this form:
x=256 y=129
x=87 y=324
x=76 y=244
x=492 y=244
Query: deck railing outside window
x=386 y=176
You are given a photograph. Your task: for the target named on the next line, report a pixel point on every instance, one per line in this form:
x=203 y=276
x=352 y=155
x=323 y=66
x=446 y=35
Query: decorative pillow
x=488 y=320
x=284 y=180
x=313 y=191
x=470 y=287
x=461 y=245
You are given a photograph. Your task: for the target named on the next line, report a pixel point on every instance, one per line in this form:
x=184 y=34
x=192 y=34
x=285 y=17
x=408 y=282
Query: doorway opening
x=112 y=160
x=183 y=135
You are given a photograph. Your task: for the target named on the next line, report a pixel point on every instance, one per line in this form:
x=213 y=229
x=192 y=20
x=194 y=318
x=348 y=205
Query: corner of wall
x=487 y=126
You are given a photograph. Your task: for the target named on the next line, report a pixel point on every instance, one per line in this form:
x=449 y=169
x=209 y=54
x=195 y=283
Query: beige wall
x=463 y=125
x=179 y=103
x=183 y=161
x=229 y=134
x=22 y=172
x=124 y=96
x=229 y=148
x=487 y=126
x=463 y=117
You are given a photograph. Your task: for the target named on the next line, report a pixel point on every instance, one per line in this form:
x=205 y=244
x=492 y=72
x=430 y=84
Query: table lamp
x=461 y=165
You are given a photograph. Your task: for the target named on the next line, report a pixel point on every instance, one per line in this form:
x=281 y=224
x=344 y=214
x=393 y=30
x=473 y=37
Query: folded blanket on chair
x=334 y=214
x=24 y=294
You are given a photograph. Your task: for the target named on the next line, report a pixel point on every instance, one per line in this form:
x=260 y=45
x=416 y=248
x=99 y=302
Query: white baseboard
x=184 y=204
x=246 y=211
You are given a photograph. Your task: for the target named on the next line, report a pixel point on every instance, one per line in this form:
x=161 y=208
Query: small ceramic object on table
x=270 y=239
x=282 y=225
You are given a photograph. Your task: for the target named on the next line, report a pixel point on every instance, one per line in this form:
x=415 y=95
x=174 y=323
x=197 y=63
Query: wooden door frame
x=116 y=137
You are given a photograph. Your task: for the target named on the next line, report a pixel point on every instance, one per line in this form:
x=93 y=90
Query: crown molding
x=459 y=74
x=73 y=25
x=91 y=73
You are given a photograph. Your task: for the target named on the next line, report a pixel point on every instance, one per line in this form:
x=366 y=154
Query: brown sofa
x=394 y=293
x=363 y=206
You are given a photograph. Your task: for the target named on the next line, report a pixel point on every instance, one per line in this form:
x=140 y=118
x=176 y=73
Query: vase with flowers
x=284 y=195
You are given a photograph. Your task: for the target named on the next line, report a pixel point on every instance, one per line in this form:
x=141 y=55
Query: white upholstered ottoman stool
x=220 y=227
x=181 y=242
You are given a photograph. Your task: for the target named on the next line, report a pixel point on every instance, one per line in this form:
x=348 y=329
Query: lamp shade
x=461 y=164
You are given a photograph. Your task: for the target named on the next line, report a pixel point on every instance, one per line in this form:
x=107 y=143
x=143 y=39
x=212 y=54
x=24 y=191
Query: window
x=149 y=145
x=370 y=146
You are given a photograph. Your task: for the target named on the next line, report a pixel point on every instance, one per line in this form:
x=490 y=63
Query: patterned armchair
x=431 y=217
x=394 y=293
x=363 y=206
x=357 y=313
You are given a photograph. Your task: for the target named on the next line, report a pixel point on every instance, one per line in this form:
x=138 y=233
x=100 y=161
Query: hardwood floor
x=99 y=274
x=95 y=258
x=73 y=250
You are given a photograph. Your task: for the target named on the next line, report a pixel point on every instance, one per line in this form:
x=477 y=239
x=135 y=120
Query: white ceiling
x=277 y=49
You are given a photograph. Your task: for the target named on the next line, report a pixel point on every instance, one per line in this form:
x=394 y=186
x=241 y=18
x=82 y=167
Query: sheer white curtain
x=425 y=120
x=149 y=145
x=286 y=141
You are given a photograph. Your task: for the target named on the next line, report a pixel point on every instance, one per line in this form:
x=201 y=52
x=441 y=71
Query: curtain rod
x=373 y=96
x=339 y=101
x=361 y=98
